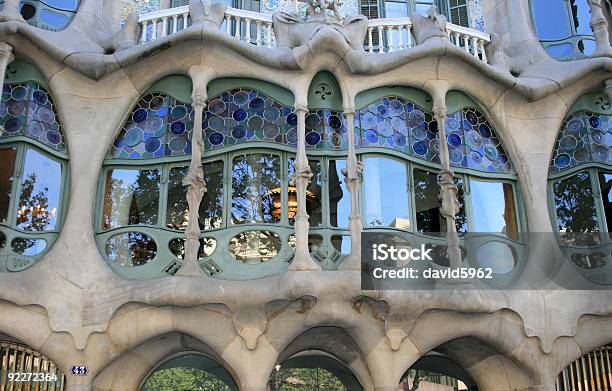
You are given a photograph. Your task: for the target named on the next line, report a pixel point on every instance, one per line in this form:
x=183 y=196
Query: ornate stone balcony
x=383 y=35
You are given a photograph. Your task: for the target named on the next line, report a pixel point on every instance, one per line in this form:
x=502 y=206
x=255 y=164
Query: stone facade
x=73 y=308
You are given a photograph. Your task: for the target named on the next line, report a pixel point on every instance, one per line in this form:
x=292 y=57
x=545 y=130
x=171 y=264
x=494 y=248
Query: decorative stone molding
x=207 y=13
x=6 y=57
x=128 y=36
x=291 y=30
x=353 y=174
x=431 y=26
x=599 y=25
x=10 y=12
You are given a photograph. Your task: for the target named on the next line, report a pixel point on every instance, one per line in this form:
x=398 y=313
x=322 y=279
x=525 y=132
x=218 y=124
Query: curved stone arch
x=130 y=370
x=334 y=343
x=58 y=347
x=501 y=332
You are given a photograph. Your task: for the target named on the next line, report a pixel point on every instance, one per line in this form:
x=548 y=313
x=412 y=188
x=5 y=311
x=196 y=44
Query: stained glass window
x=158 y=126
x=326 y=129
x=27 y=110
x=246 y=115
x=585 y=137
x=393 y=122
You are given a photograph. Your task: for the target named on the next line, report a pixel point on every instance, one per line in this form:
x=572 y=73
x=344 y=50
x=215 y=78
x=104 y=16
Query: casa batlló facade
x=189 y=185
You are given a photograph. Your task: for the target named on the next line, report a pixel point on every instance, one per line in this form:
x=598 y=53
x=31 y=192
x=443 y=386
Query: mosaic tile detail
x=158 y=126
x=245 y=115
x=393 y=122
x=585 y=137
x=27 y=109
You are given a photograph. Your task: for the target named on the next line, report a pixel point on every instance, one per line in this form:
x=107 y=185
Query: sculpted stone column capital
x=6 y=52
x=198 y=100
x=440 y=112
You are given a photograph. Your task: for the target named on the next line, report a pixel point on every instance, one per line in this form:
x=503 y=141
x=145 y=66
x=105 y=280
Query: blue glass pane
x=396 y=9
x=386 y=194
x=581 y=16
x=551 y=19
x=587 y=46
x=67 y=5
x=561 y=51
x=57 y=20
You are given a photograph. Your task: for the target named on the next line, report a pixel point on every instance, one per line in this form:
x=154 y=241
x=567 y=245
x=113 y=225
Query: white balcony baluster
x=381 y=30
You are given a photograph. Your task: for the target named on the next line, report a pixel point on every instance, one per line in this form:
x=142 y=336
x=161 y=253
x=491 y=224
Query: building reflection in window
x=494 y=208
x=211 y=207
x=427 y=204
x=39 y=196
x=313 y=195
x=131 y=197
x=339 y=197
x=386 y=193
x=7 y=165
x=254 y=177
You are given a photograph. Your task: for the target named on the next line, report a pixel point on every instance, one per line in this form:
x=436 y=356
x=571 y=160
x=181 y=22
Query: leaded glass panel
x=245 y=115
x=158 y=126
x=27 y=110
x=393 y=122
x=585 y=137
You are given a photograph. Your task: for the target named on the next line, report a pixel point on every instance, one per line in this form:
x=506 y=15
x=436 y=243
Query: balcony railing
x=384 y=35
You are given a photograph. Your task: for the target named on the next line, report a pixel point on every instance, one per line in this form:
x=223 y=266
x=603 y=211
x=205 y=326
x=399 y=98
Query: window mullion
x=16 y=185
x=601 y=219
x=163 y=195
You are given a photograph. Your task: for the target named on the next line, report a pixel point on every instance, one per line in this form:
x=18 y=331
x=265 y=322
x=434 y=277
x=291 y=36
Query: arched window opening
x=593 y=371
x=33 y=170
x=580 y=183
x=436 y=370
x=564 y=27
x=51 y=15
x=313 y=370
x=17 y=360
x=189 y=371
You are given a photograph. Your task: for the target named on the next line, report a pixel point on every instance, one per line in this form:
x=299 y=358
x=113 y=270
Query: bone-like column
x=6 y=57
x=196 y=188
x=599 y=25
x=448 y=189
x=353 y=177
x=303 y=175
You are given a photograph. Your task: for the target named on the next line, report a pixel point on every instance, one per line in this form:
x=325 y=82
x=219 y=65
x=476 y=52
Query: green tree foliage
x=305 y=379
x=184 y=379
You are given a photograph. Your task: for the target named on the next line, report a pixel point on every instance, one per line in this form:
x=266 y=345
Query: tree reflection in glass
x=131 y=198
x=575 y=207
x=211 y=207
x=605 y=184
x=255 y=179
x=40 y=193
x=131 y=249
x=494 y=208
x=339 y=196
x=386 y=193
x=313 y=195
x=427 y=204
x=7 y=166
